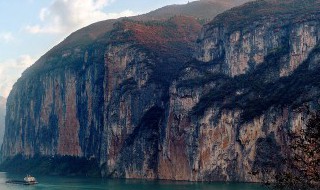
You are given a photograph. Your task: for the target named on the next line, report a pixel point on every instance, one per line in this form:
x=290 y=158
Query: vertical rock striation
x=135 y=99
x=238 y=101
x=2 y=117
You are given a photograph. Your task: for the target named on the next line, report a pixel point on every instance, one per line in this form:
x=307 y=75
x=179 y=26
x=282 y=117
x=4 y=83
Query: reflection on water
x=81 y=183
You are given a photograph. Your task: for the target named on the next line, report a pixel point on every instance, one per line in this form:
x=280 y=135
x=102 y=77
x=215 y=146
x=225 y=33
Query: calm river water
x=77 y=183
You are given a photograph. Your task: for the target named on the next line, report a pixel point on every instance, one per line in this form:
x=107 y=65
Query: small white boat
x=29 y=180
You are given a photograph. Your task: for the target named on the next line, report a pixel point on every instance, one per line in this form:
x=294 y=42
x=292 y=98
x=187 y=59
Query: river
x=81 y=183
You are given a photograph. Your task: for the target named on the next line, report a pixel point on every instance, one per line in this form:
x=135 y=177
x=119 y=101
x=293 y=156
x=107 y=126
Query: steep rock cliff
x=244 y=40
x=132 y=97
x=88 y=100
x=232 y=108
x=68 y=102
x=2 y=117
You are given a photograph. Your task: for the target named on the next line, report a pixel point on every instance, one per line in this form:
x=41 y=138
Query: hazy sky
x=29 y=28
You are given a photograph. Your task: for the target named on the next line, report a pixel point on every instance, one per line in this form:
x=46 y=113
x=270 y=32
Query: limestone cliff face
x=100 y=99
x=231 y=109
x=135 y=99
x=217 y=145
x=245 y=45
x=48 y=120
x=2 y=117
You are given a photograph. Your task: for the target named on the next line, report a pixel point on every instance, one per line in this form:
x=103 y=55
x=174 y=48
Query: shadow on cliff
x=52 y=165
x=140 y=150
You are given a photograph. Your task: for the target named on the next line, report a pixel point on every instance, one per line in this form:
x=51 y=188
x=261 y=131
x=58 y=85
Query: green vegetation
x=57 y=63
x=167 y=24
x=55 y=165
x=304 y=160
x=254 y=12
x=261 y=88
x=200 y=81
x=205 y=78
x=300 y=166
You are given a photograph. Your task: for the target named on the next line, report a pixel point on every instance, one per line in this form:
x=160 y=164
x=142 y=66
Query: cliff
x=2 y=117
x=232 y=108
x=203 y=11
x=86 y=101
x=146 y=101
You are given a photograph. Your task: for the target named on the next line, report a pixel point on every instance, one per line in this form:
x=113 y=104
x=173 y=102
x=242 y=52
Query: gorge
x=171 y=98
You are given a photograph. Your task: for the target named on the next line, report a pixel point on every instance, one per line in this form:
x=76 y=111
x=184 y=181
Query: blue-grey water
x=82 y=183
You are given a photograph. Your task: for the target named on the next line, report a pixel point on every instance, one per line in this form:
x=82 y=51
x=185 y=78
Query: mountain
x=2 y=117
x=204 y=10
x=71 y=91
x=151 y=99
x=256 y=68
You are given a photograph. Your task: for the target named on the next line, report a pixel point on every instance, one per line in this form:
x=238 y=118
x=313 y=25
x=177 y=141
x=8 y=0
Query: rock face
x=244 y=41
x=2 y=117
x=134 y=98
x=233 y=107
x=89 y=99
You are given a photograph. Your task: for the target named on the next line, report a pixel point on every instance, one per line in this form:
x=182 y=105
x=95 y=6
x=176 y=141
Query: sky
x=29 y=28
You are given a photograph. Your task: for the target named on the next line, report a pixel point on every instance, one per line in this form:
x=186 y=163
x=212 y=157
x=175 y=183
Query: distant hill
x=2 y=117
x=204 y=10
x=233 y=3
x=245 y=15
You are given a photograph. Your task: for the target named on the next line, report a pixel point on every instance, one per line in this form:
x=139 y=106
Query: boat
x=30 y=180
